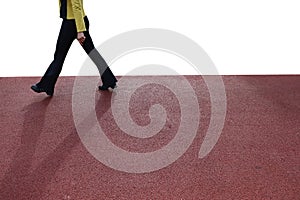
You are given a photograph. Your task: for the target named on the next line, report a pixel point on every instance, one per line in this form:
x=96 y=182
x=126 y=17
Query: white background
x=240 y=36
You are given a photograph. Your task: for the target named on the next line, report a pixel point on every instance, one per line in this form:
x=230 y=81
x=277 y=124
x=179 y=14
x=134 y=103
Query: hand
x=80 y=37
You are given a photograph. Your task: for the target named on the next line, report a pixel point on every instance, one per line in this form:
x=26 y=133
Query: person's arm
x=77 y=8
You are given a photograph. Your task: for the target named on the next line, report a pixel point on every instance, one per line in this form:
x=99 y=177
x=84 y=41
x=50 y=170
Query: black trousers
x=67 y=34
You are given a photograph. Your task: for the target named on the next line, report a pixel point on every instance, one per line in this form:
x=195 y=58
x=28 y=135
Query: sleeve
x=77 y=8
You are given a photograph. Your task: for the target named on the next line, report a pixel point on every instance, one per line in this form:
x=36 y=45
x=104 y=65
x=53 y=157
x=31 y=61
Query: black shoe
x=38 y=89
x=105 y=87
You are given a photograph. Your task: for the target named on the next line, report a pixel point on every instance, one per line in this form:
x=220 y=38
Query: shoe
x=38 y=89
x=105 y=87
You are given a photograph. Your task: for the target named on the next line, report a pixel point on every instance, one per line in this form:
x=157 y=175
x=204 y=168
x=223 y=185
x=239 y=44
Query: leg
x=66 y=36
x=108 y=78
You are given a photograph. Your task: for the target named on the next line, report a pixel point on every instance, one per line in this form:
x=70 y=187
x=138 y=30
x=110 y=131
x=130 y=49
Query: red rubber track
x=257 y=155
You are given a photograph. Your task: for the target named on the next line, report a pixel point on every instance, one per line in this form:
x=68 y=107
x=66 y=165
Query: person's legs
x=66 y=36
x=107 y=77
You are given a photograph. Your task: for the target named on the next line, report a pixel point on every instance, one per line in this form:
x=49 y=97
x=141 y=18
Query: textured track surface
x=257 y=155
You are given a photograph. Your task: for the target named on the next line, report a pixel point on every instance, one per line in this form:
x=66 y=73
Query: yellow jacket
x=73 y=9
